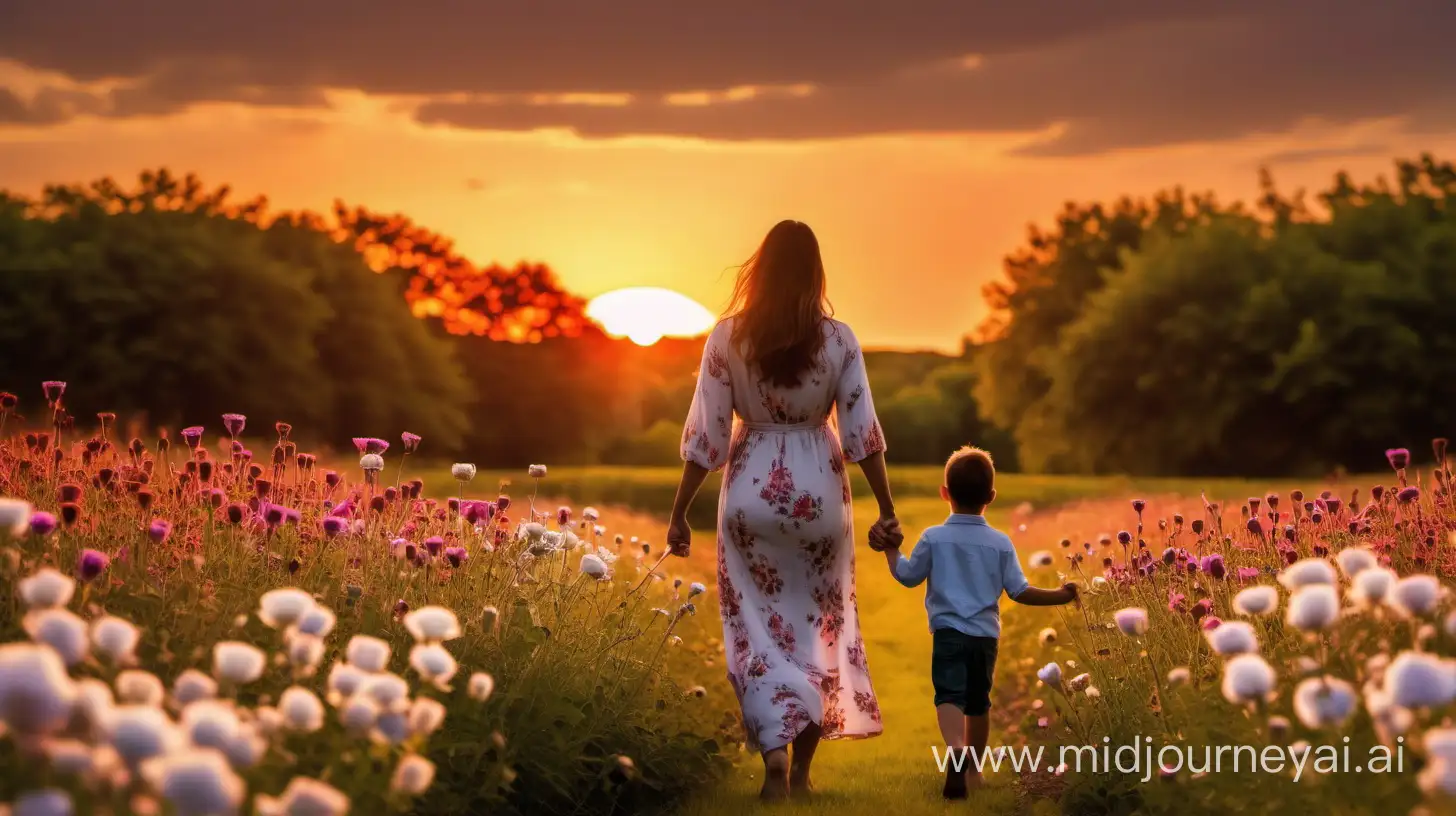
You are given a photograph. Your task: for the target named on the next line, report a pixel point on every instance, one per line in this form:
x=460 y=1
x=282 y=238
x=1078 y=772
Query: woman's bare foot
x=775 y=776
x=799 y=785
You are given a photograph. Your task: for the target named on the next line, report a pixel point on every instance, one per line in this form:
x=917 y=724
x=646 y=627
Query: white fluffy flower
x=1417 y=680
x=386 y=689
x=536 y=471
x=1306 y=572
x=1040 y=558
x=317 y=621
x=36 y=694
x=1247 y=678
x=413 y=775
x=191 y=686
x=344 y=680
x=1257 y=600
x=249 y=746
x=116 y=639
x=141 y=732
x=1415 y=594
x=1051 y=674
x=282 y=608
x=1180 y=675
x=695 y=589
x=462 y=471
x=15 y=516
x=426 y=716
x=47 y=802
x=46 y=588
x=304 y=652
x=1133 y=621
x=1232 y=638
x=210 y=723
x=236 y=662
x=60 y=629
x=1355 y=560
x=480 y=686
x=1439 y=775
x=434 y=664
x=304 y=797
x=196 y=783
x=392 y=726
x=593 y=566
x=1079 y=682
x=1313 y=607
x=1047 y=636
x=369 y=654
x=432 y=624
x=301 y=709
x=1324 y=702
x=94 y=702
x=137 y=687
x=1371 y=586
x=358 y=714
x=371 y=462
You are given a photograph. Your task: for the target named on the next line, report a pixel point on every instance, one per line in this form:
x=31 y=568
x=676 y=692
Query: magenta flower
x=1254 y=527
x=343 y=509
x=1212 y=622
x=1246 y=574
x=54 y=390
x=160 y=530
x=42 y=523
x=563 y=516
x=1408 y=494
x=411 y=442
x=456 y=555
x=1213 y=565
x=192 y=436
x=434 y=544
x=476 y=512
x=1176 y=601
x=334 y=526
x=234 y=424
x=1201 y=609
x=331 y=478
x=1138 y=505
x=502 y=503
x=1398 y=458
x=90 y=564
x=1273 y=501
x=369 y=444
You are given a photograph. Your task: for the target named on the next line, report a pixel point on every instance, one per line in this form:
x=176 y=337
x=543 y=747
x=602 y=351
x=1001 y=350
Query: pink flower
x=1211 y=622
x=411 y=442
x=234 y=424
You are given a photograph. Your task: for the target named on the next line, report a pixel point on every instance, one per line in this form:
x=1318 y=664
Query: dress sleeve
x=708 y=428
x=859 y=428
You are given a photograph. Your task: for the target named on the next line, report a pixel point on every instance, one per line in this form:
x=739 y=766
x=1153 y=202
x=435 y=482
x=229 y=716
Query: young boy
x=968 y=564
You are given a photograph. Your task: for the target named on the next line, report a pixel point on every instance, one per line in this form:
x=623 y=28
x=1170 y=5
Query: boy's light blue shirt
x=968 y=563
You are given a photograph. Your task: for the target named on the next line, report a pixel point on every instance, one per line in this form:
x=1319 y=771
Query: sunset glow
x=646 y=314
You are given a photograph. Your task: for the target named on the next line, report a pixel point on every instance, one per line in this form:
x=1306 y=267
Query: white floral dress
x=786 y=535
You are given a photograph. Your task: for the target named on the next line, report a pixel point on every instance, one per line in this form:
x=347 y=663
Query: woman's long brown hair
x=780 y=304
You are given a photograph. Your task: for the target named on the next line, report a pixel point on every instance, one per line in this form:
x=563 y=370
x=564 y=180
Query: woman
x=791 y=632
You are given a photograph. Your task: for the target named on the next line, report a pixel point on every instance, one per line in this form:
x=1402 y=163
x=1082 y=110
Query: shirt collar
x=966 y=518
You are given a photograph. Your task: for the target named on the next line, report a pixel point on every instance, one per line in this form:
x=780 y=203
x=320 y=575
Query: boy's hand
x=885 y=534
x=1074 y=593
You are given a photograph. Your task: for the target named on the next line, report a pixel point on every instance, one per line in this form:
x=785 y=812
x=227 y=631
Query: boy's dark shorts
x=961 y=667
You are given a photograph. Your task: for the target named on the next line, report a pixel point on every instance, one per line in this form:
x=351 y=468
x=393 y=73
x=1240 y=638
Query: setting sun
x=646 y=314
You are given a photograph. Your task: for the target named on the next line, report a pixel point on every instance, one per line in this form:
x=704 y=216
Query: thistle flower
x=462 y=471
x=116 y=639
x=1313 y=607
x=434 y=545
x=1418 y=680
x=433 y=663
x=1408 y=494
x=1399 y=458
x=344 y=680
x=192 y=436
x=432 y=624
x=334 y=526
x=1232 y=638
x=301 y=710
x=1307 y=571
x=1247 y=678
x=46 y=588
x=412 y=776
x=1257 y=600
x=1051 y=674
x=480 y=687
x=385 y=688
x=367 y=653
x=61 y=630
x=45 y=802
x=410 y=441
x=53 y=390
x=1371 y=586
x=42 y=524
x=1133 y=621
x=371 y=463
x=282 y=608
x=304 y=797
x=593 y=566
x=196 y=783
x=1213 y=565
x=137 y=687
x=36 y=694
x=236 y=662
x=1124 y=538
x=234 y=424
x=1415 y=595
x=1324 y=702
x=1079 y=683
x=368 y=444
x=456 y=555
x=536 y=471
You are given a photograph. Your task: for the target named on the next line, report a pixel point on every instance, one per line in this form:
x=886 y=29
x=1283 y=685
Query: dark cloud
x=1112 y=74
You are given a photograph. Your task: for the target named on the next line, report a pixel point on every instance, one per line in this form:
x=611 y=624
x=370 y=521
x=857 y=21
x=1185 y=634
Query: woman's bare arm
x=873 y=467
x=687 y=489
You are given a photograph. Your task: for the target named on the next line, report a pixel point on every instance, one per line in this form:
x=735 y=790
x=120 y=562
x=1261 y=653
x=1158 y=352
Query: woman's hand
x=679 y=537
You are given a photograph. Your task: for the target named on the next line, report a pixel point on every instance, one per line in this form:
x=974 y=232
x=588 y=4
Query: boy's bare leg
x=952 y=721
x=804 y=747
x=978 y=731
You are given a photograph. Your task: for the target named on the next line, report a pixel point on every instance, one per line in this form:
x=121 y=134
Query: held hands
x=679 y=537
x=885 y=534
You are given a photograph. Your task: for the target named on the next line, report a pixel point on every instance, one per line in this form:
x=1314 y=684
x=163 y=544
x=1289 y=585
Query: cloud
x=1086 y=77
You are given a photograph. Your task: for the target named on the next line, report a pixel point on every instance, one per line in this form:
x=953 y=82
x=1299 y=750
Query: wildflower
x=433 y=663
x=1051 y=674
x=1202 y=609
x=234 y=424
x=594 y=567
x=1398 y=458
x=695 y=589
x=462 y=471
x=304 y=797
x=301 y=710
x=192 y=436
x=191 y=686
x=304 y=652
x=1247 y=678
x=1415 y=595
x=196 y=783
x=456 y=555
x=480 y=686
x=1324 y=702
x=1353 y=560
x=115 y=638
x=1417 y=680
x=1124 y=538
x=1313 y=606
x=1179 y=676
x=434 y=545
x=368 y=444
x=236 y=662
x=1371 y=586
x=426 y=716
x=411 y=442
x=139 y=732
x=137 y=687
x=45 y=802
x=210 y=723
x=1133 y=621
x=53 y=389
x=1047 y=637
x=432 y=624
x=36 y=694
x=536 y=471
x=1233 y=638
x=371 y=463
x=1093 y=692
x=160 y=530
x=367 y=653
x=334 y=526
x=42 y=523
x=61 y=630
x=1257 y=600
x=1213 y=565
x=1307 y=571
x=384 y=688
x=413 y=775
x=1211 y=623
x=282 y=608
x=1408 y=494
x=563 y=516
x=94 y=702
x=46 y=588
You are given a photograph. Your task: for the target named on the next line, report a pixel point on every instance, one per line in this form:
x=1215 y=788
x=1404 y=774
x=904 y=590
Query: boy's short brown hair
x=970 y=475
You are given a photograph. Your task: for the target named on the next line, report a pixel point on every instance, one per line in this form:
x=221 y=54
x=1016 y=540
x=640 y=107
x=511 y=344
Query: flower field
x=189 y=627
